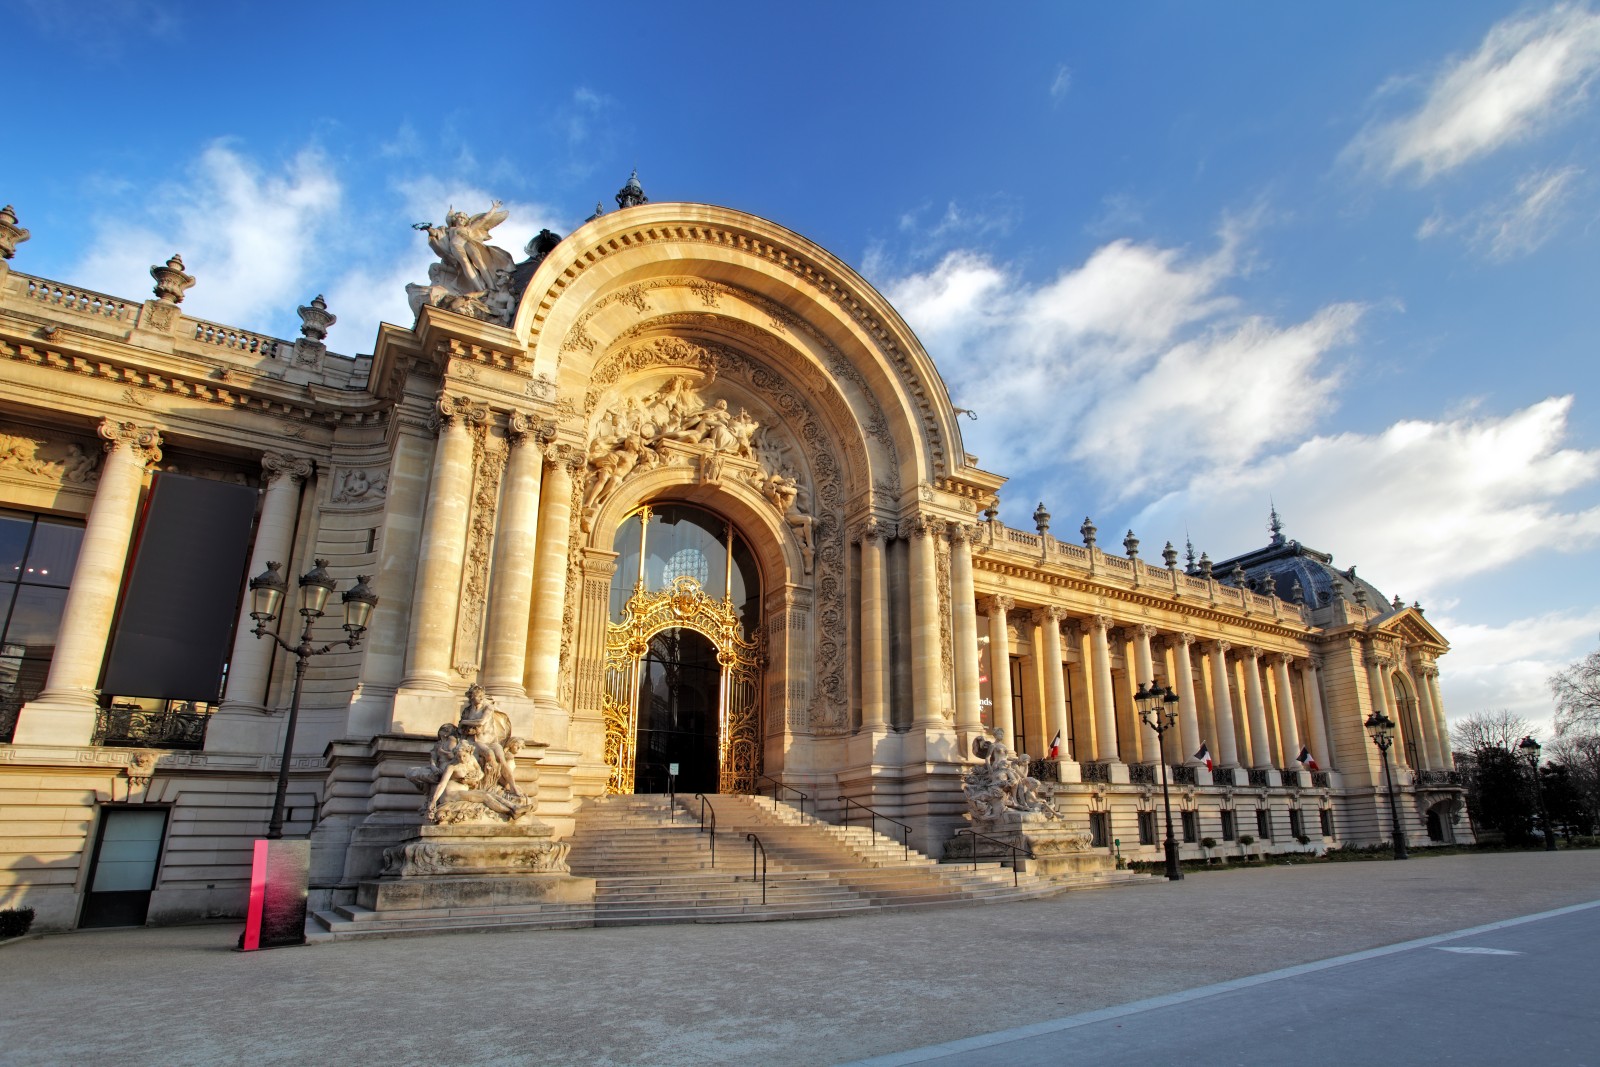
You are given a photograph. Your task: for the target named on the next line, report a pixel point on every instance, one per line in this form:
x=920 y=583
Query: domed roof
x=1276 y=570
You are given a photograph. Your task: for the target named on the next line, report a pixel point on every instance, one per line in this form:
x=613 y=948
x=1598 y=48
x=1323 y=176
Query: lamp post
x=1158 y=710
x=1381 y=728
x=1531 y=749
x=266 y=598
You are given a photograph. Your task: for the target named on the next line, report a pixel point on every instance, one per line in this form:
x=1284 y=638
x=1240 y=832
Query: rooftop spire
x=632 y=194
x=1275 y=526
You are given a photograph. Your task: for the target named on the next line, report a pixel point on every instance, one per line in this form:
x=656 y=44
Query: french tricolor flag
x=1055 y=746
x=1204 y=755
x=1305 y=759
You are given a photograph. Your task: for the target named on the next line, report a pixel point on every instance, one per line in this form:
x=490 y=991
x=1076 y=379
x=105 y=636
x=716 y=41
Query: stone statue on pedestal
x=471 y=772
x=472 y=276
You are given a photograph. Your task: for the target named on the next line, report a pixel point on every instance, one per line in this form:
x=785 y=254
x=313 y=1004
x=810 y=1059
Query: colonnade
x=1422 y=722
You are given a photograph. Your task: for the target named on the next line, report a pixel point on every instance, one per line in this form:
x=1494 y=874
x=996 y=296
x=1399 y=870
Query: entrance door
x=680 y=684
x=124 y=871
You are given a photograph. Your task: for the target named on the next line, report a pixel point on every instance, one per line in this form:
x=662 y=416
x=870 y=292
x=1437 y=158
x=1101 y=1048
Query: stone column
x=444 y=545
x=64 y=713
x=1000 y=668
x=927 y=661
x=515 y=547
x=1227 y=744
x=550 y=576
x=250 y=665
x=1055 y=696
x=964 y=629
x=874 y=637
x=1260 y=747
x=1288 y=727
x=1188 y=713
x=1105 y=707
x=1433 y=761
x=1144 y=666
x=1402 y=729
x=1315 y=718
x=1431 y=680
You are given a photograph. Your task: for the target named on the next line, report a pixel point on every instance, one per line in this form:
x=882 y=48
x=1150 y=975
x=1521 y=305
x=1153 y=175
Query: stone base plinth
x=1059 y=850
x=475 y=865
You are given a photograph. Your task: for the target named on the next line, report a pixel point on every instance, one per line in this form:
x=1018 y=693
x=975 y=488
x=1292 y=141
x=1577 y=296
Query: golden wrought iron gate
x=684 y=604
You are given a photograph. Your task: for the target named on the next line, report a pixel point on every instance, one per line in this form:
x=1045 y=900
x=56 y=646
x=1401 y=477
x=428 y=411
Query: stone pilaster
x=1256 y=708
x=1430 y=755
x=1105 y=706
x=1000 y=668
x=1222 y=701
x=1288 y=725
x=964 y=631
x=64 y=713
x=1055 y=697
x=874 y=636
x=927 y=685
x=1316 y=719
x=1430 y=679
x=1144 y=667
x=550 y=578
x=1188 y=713
x=515 y=548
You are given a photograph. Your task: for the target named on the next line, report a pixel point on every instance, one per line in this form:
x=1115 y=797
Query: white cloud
x=246 y=233
x=1061 y=84
x=1507 y=666
x=1530 y=72
x=1421 y=504
x=1517 y=225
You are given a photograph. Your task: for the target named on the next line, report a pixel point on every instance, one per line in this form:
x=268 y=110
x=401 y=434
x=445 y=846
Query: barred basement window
x=1327 y=822
x=1099 y=829
x=1191 y=827
x=1264 y=823
x=1297 y=823
x=1230 y=827
x=1147 y=828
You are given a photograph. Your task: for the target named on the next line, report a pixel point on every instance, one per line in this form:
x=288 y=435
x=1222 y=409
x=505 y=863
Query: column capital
x=143 y=441
x=1251 y=652
x=275 y=465
x=525 y=429
x=1221 y=648
x=869 y=529
x=1103 y=623
x=1144 y=630
x=961 y=532
x=448 y=410
x=1002 y=603
x=921 y=526
x=566 y=457
x=1183 y=638
x=1282 y=659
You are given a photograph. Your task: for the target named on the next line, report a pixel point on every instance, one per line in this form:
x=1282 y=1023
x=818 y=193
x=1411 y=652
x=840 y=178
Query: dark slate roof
x=1273 y=571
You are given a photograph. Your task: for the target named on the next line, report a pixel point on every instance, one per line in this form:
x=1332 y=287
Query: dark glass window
x=684 y=541
x=1099 y=829
x=1230 y=826
x=37 y=554
x=1191 y=827
x=1327 y=822
x=1147 y=828
x=1264 y=824
x=1297 y=823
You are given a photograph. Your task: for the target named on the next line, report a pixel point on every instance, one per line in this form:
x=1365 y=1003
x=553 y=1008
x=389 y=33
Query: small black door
x=126 y=855
x=680 y=684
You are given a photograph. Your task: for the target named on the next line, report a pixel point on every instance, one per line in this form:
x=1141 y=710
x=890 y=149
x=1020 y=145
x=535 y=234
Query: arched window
x=682 y=540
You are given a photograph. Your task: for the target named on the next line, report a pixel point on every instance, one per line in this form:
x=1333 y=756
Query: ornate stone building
x=682 y=493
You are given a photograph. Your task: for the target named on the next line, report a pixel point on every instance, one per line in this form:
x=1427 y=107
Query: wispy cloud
x=1061 y=84
x=1530 y=72
x=1506 y=666
x=1517 y=225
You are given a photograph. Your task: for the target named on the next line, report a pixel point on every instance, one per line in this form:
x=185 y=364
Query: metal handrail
x=755 y=843
x=1003 y=844
x=777 y=785
x=905 y=829
x=705 y=806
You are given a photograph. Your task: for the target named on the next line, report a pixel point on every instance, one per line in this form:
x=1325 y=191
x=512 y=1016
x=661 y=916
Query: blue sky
x=1342 y=258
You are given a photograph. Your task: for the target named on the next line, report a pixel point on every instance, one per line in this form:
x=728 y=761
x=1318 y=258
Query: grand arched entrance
x=682 y=668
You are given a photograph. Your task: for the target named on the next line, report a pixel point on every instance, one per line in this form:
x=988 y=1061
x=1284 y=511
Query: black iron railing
x=1014 y=849
x=1438 y=777
x=1320 y=779
x=176 y=724
x=1142 y=773
x=1184 y=774
x=755 y=846
x=705 y=808
x=1260 y=778
x=1097 y=772
x=805 y=798
x=905 y=829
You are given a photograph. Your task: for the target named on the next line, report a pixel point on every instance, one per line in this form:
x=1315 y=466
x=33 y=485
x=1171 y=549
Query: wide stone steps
x=347 y=921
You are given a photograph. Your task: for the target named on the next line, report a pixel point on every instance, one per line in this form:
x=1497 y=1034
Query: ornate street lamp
x=1158 y=710
x=1381 y=728
x=1531 y=749
x=266 y=597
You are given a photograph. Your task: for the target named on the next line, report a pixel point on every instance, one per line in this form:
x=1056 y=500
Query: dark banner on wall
x=176 y=623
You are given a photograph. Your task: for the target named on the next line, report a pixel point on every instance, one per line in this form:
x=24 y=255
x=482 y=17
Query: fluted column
x=1188 y=713
x=1105 y=706
x=964 y=628
x=64 y=713
x=550 y=575
x=1055 y=695
x=1429 y=721
x=1222 y=702
x=1000 y=668
x=1256 y=708
x=1315 y=718
x=927 y=660
x=874 y=637
x=1144 y=666
x=515 y=547
x=1431 y=680
x=250 y=665
x=1288 y=726
x=444 y=544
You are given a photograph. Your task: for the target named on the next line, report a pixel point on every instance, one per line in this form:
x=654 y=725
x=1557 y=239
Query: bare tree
x=1577 y=692
x=1488 y=729
x=1580 y=754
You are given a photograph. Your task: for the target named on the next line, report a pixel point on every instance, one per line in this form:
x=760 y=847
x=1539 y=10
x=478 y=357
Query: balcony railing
x=1142 y=773
x=1097 y=772
x=176 y=724
x=1260 y=778
x=1320 y=780
x=1438 y=777
x=1184 y=774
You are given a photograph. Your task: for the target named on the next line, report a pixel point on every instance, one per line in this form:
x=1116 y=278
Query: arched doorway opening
x=683 y=655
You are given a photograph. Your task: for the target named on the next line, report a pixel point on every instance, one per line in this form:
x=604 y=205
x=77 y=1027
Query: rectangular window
x=1100 y=829
x=1019 y=717
x=1297 y=823
x=1264 y=824
x=1147 y=828
x=1191 y=827
x=1230 y=827
x=1327 y=822
x=37 y=555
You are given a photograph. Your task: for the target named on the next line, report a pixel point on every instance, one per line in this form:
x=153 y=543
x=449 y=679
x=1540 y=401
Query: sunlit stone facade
x=699 y=497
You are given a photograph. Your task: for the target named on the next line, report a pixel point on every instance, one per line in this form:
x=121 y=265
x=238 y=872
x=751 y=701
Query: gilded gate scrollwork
x=685 y=605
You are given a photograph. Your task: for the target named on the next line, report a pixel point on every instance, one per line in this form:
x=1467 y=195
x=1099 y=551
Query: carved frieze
x=63 y=462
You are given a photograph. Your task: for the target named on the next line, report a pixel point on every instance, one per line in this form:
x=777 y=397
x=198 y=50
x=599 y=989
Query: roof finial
x=632 y=194
x=1189 y=567
x=1275 y=525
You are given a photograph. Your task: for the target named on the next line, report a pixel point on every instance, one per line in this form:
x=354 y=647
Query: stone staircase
x=652 y=864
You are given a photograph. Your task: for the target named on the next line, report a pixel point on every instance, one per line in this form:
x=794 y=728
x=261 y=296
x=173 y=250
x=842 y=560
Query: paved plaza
x=841 y=990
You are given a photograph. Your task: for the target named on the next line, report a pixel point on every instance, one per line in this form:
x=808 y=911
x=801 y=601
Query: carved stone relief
x=66 y=462
x=356 y=485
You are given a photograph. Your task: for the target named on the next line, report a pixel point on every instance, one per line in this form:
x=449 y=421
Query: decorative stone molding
x=275 y=465
x=143 y=441
x=360 y=486
x=63 y=462
x=171 y=281
x=1002 y=602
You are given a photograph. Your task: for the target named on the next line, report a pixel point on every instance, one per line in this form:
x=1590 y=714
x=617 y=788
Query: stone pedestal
x=1057 y=848
x=476 y=865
